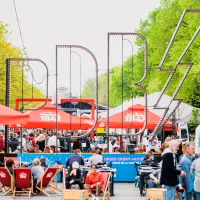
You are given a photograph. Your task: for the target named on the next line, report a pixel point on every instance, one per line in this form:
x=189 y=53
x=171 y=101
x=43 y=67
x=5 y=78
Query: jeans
x=197 y=195
x=171 y=191
x=188 y=196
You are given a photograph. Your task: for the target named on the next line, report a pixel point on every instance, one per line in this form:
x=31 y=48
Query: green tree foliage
x=194 y=121
x=89 y=90
x=158 y=29
x=7 y=50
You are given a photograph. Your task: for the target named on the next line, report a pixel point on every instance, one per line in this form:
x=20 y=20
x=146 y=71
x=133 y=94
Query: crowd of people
x=48 y=141
x=179 y=170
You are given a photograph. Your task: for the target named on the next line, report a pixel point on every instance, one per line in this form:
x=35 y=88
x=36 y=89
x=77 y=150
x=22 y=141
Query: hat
x=75 y=165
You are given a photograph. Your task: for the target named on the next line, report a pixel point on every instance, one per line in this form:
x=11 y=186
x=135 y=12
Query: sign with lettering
x=49 y=116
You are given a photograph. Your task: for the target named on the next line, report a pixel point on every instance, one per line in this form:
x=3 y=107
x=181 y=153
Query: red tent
x=10 y=116
x=133 y=118
x=46 y=118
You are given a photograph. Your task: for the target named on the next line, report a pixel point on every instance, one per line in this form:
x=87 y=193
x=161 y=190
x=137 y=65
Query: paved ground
x=123 y=191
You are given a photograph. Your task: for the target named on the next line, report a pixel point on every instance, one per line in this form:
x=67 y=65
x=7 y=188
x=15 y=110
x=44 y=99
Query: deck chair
x=23 y=180
x=59 y=169
x=6 y=180
x=105 y=186
x=46 y=181
x=16 y=160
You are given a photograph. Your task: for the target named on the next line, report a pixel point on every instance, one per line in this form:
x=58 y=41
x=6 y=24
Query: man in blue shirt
x=185 y=164
x=76 y=157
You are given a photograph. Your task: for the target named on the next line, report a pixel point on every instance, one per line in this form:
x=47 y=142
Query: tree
x=89 y=90
x=158 y=29
x=194 y=121
x=7 y=50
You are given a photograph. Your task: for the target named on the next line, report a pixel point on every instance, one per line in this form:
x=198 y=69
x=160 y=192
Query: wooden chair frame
x=8 y=189
x=60 y=168
x=64 y=176
x=49 y=186
x=30 y=190
x=107 y=187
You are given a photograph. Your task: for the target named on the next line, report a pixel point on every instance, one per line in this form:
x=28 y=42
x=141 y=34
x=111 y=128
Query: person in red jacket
x=94 y=180
x=2 y=143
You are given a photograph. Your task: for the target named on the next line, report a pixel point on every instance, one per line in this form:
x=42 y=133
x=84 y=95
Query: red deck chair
x=16 y=160
x=59 y=169
x=105 y=186
x=65 y=171
x=6 y=180
x=46 y=181
x=23 y=180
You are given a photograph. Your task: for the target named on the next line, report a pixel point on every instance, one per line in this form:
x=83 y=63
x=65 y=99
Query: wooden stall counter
x=75 y=195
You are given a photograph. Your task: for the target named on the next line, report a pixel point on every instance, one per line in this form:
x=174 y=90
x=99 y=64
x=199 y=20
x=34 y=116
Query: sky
x=47 y=23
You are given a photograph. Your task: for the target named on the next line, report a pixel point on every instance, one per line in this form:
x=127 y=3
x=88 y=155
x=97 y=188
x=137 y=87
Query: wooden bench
x=75 y=195
x=156 y=194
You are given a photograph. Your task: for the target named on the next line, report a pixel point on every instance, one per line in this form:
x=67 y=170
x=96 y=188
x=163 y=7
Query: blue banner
x=124 y=163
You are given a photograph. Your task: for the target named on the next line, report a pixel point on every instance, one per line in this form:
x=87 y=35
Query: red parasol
x=46 y=118
x=133 y=118
x=10 y=116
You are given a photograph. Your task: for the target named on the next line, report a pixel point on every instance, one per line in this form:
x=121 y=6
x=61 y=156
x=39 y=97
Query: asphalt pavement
x=123 y=191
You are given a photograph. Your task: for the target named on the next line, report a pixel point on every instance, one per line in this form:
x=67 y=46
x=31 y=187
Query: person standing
x=185 y=164
x=2 y=143
x=169 y=173
x=195 y=170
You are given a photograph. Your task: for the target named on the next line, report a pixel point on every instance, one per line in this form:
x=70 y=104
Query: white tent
x=182 y=112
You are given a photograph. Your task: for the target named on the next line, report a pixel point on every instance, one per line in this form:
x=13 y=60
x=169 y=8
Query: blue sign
x=124 y=163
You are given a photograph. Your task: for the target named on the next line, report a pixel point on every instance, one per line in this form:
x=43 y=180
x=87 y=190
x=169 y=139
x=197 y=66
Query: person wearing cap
x=74 y=176
x=169 y=172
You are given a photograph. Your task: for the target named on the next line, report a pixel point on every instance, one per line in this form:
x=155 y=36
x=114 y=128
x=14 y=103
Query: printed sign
x=134 y=117
x=2 y=174
x=123 y=163
x=49 y=116
x=23 y=175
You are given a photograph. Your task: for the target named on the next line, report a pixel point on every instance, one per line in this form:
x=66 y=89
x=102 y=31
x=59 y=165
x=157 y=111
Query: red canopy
x=133 y=118
x=46 y=118
x=10 y=116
